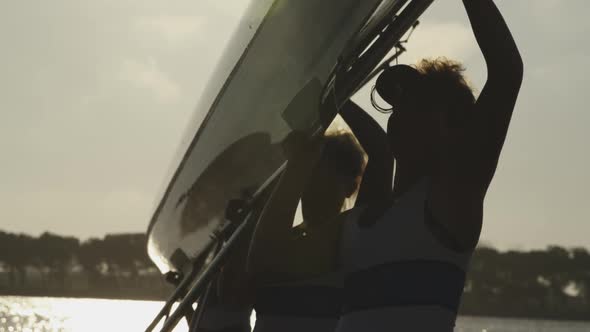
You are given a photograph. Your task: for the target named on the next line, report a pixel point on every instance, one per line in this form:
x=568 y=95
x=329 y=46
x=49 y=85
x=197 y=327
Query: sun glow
x=88 y=315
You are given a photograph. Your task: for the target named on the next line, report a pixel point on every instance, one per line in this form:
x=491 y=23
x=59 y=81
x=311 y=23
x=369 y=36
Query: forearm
x=276 y=222
x=376 y=182
x=368 y=132
x=494 y=38
x=479 y=143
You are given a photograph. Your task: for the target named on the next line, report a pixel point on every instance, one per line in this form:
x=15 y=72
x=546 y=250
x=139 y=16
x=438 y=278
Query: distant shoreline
x=526 y=317
x=113 y=295
x=553 y=283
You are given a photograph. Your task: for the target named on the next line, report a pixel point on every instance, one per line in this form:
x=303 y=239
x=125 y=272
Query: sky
x=95 y=97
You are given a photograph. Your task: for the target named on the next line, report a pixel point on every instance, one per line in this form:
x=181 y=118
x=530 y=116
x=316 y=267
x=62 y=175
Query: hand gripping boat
x=289 y=67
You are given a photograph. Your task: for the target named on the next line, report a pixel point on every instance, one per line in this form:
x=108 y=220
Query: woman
x=322 y=175
x=278 y=304
x=406 y=262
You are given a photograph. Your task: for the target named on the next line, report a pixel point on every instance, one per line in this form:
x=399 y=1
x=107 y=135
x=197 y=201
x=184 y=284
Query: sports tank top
x=218 y=317
x=312 y=305
x=398 y=276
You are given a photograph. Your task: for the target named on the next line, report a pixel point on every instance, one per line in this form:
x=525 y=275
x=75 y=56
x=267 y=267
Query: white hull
x=269 y=82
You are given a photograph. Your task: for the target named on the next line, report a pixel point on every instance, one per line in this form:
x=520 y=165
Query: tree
x=91 y=257
x=581 y=272
x=16 y=252
x=126 y=253
x=57 y=253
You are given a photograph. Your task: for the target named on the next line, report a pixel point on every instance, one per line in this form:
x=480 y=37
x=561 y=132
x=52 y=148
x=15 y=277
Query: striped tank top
x=218 y=317
x=398 y=276
x=311 y=305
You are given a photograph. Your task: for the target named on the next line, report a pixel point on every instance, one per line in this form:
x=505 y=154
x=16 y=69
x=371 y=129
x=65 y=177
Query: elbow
x=510 y=72
x=517 y=74
x=515 y=65
x=505 y=63
x=518 y=67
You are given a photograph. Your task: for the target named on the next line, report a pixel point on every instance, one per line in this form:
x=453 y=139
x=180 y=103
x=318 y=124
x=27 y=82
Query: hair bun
x=397 y=82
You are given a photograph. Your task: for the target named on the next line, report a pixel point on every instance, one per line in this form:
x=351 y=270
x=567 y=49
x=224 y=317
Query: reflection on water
x=38 y=314
x=30 y=314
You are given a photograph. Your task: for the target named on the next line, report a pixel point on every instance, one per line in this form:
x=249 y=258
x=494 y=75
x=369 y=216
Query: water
x=30 y=314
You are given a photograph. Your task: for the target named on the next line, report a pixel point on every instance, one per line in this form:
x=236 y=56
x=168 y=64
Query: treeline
x=550 y=283
x=114 y=266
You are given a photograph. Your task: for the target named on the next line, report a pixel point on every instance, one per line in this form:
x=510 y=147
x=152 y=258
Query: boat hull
x=271 y=80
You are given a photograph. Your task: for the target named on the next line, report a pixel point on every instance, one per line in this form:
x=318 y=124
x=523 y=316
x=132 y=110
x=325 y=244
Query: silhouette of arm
x=274 y=253
x=456 y=198
x=378 y=175
x=493 y=108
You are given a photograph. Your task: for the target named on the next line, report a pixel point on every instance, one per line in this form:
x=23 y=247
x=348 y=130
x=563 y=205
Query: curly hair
x=444 y=81
x=344 y=153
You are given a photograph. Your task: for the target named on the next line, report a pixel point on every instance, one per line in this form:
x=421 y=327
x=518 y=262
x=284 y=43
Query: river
x=40 y=314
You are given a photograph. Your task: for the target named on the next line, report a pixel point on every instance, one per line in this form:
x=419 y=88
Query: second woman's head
x=335 y=178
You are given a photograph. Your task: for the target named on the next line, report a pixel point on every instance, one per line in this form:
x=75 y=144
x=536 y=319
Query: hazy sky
x=95 y=96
